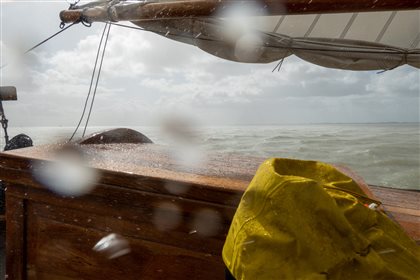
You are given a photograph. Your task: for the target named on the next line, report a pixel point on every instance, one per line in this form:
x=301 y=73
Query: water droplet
x=248 y=242
x=113 y=246
x=249 y=48
x=167 y=216
x=386 y=251
x=67 y=175
x=207 y=222
x=176 y=188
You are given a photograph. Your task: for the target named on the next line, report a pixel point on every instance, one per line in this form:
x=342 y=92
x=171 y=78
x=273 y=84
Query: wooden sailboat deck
x=403 y=206
x=50 y=236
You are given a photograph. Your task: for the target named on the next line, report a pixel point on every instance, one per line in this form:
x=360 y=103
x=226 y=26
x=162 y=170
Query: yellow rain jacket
x=306 y=220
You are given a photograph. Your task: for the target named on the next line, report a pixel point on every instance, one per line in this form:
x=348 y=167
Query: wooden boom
x=200 y=8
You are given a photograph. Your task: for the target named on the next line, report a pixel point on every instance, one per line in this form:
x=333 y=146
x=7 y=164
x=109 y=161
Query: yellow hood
x=306 y=220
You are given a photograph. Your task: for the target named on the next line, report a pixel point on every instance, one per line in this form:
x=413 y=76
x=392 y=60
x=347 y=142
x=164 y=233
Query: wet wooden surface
x=403 y=206
x=51 y=237
x=209 y=8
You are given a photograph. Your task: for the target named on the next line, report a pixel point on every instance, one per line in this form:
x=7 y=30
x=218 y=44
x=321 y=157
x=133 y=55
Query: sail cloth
x=351 y=35
x=351 y=41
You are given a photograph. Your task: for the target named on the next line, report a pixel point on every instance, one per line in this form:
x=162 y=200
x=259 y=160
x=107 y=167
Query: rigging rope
x=91 y=83
x=44 y=41
x=278 y=66
x=97 y=80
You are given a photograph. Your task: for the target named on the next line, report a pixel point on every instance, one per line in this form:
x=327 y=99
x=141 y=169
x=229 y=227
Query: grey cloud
x=146 y=75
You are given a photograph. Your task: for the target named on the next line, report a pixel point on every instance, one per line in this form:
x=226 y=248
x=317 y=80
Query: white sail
x=352 y=41
x=270 y=30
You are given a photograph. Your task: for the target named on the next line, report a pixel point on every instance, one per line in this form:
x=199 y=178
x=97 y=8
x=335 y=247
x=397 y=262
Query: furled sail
x=352 y=35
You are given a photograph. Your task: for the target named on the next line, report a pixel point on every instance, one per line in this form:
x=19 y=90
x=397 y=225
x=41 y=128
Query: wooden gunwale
x=212 y=186
x=136 y=181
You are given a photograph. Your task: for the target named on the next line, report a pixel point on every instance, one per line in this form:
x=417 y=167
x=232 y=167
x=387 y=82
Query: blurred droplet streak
x=207 y=222
x=112 y=246
x=167 y=216
x=240 y=19
x=67 y=174
x=185 y=150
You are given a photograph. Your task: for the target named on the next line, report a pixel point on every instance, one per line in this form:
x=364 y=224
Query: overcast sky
x=147 y=77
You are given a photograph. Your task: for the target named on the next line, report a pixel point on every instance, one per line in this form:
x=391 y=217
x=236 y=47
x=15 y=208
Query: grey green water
x=383 y=154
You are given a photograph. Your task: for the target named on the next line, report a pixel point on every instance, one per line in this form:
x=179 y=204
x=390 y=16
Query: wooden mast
x=207 y=8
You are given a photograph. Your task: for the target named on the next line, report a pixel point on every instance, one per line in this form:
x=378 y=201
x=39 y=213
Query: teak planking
x=51 y=237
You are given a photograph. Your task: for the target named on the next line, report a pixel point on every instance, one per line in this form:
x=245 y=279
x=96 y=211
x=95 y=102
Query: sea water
x=383 y=154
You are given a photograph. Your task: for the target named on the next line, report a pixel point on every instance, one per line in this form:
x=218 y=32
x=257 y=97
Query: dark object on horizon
x=116 y=136
x=18 y=142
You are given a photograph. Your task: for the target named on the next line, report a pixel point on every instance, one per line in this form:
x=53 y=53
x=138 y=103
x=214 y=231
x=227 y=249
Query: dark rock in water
x=115 y=136
x=18 y=142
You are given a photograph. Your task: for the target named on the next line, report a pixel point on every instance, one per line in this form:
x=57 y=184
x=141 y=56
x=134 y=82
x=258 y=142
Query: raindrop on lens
x=207 y=222
x=113 y=246
x=248 y=48
x=176 y=188
x=67 y=175
x=167 y=216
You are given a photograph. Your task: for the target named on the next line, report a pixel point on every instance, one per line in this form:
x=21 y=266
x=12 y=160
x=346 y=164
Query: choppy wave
x=384 y=154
